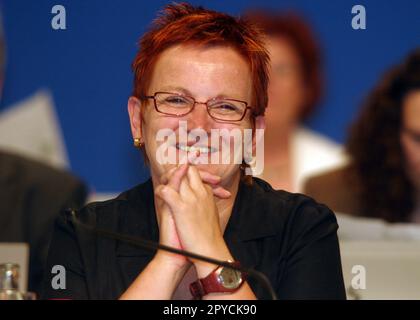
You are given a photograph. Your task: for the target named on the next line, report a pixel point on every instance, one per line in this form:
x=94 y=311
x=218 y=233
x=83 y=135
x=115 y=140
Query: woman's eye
x=413 y=135
x=226 y=107
x=176 y=100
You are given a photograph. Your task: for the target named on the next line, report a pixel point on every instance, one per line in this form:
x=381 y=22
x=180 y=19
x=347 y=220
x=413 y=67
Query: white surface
x=31 y=128
x=17 y=253
x=392 y=268
x=359 y=228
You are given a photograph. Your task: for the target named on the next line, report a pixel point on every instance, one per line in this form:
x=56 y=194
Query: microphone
x=153 y=246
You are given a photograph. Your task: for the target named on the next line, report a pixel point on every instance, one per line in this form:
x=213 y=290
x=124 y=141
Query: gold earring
x=138 y=143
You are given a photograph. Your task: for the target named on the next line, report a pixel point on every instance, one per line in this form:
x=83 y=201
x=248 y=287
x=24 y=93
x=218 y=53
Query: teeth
x=195 y=149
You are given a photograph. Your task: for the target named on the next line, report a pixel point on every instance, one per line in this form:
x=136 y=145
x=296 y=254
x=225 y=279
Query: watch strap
x=210 y=284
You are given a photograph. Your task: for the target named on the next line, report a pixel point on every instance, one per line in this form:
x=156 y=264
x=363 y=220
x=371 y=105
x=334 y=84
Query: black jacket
x=31 y=197
x=287 y=236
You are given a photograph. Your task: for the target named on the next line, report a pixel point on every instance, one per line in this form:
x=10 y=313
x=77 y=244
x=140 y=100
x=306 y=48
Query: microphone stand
x=153 y=246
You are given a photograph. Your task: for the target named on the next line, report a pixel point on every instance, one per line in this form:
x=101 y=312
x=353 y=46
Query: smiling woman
x=199 y=70
x=210 y=73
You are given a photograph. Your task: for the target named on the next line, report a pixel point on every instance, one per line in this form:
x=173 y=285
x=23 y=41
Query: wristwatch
x=220 y=280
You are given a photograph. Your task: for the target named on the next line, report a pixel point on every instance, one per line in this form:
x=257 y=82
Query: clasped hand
x=187 y=214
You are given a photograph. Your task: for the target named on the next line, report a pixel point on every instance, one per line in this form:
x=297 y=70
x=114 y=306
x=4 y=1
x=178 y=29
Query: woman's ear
x=259 y=124
x=255 y=160
x=134 y=112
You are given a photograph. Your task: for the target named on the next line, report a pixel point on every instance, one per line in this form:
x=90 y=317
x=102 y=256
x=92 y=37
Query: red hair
x=186 y=24
x=296 y=31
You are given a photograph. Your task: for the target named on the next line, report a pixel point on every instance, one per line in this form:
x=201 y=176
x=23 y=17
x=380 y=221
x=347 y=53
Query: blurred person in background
x=383 y=177
x=293 y=152
x=31 y=196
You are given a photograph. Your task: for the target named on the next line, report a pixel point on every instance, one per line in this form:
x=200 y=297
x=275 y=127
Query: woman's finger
x=176 y=178
x=171 y=197
x=187 y=191
x=221 y=192
x=194 y=178
x=209 y=178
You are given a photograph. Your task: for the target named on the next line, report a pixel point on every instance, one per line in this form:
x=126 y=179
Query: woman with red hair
x=292 y=151
x=198 y=71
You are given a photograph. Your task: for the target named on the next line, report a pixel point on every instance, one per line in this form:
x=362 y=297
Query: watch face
x=229 y=278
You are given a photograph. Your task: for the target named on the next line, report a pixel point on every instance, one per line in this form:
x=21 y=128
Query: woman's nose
x=199 y=117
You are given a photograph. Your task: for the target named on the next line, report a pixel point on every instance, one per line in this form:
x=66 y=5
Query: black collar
x=251 y=214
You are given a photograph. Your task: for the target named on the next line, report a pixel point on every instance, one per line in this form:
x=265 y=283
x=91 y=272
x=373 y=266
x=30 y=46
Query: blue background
x=87 y=68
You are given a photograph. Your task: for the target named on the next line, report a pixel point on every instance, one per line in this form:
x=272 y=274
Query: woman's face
x=201 y=73
x=286 y=90
x=410 y=136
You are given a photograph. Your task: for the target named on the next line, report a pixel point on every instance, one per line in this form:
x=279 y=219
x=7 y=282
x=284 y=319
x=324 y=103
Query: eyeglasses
x=177 y=105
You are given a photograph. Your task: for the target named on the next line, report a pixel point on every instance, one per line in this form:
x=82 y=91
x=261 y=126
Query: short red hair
x=186 y=24
x=298 y=33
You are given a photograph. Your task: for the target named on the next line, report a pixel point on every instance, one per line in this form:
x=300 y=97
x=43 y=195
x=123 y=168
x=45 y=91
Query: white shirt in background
x=312 y=154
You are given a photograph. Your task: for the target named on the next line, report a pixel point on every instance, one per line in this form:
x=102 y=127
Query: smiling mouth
x=196 y=149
